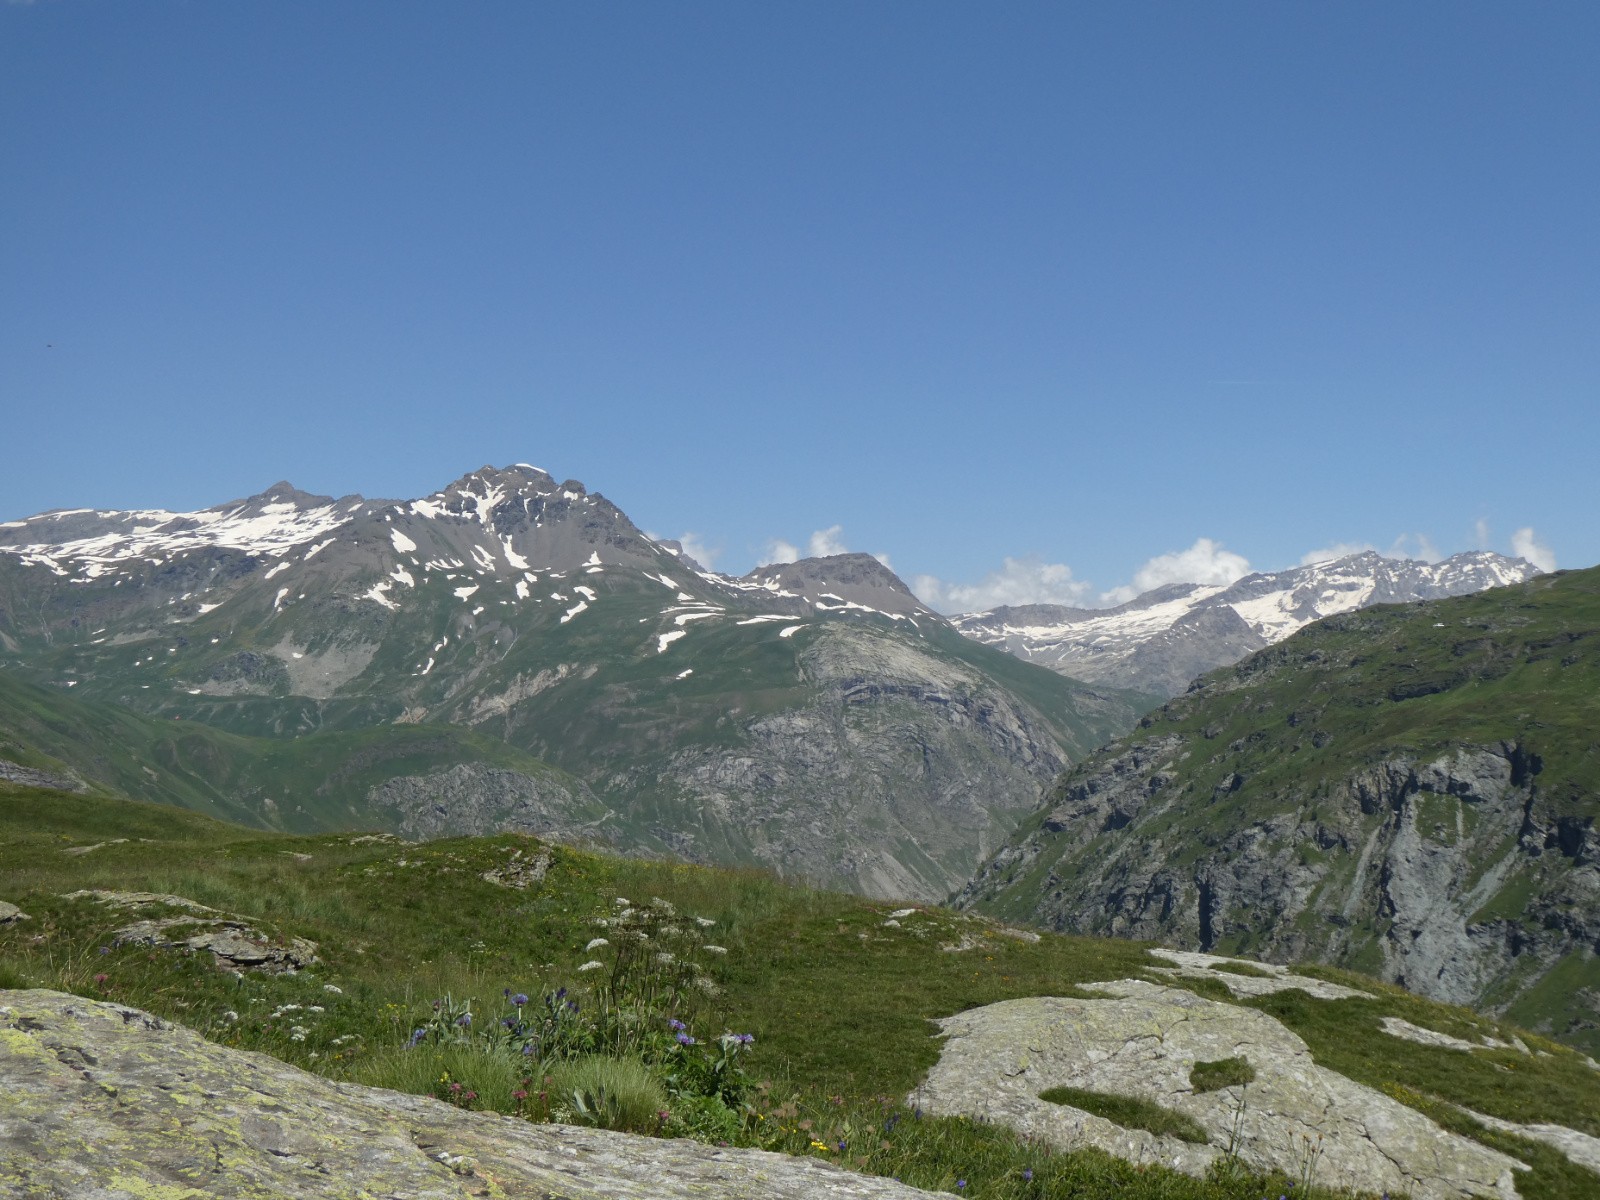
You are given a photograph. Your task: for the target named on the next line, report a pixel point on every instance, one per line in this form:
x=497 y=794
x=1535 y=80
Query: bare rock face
x=101 y=1100
x=1144 y=1039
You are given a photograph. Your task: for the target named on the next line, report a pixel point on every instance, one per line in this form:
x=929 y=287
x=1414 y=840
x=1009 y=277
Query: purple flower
x=464 y=1020
x=676 y=1024
x=416 y=1036
x=841 y=1145
x=961 y=1184
x=519 y=999
x=561 y=995
x=685 y=1040
x=1027 y=1174
x=744 y=1039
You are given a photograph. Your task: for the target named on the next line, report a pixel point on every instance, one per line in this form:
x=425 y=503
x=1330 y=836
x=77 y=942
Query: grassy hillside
x=837 y=1001
x=315 y=782
x=1410 y=790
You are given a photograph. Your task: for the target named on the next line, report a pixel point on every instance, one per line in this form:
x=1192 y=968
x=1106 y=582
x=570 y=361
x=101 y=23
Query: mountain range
x=1159 y=641
x=513 y=652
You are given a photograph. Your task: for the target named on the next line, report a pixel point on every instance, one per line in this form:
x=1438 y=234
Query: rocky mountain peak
x=842 y=581
x=275 y=497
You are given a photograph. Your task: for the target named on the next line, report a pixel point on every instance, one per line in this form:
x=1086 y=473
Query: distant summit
x=1156 y=643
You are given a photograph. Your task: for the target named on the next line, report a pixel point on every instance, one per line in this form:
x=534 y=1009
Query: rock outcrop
x=1143 y=1040
x=99 y=1100
x=175 y=922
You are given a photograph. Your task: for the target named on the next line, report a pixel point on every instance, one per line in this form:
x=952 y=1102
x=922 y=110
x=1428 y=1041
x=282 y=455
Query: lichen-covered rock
x=10 y=912
x=1143 y=1040
x=99 y=1100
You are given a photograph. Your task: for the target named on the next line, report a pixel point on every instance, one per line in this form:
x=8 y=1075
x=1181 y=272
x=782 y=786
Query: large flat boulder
x=99 y=1100
x=1142 y=1040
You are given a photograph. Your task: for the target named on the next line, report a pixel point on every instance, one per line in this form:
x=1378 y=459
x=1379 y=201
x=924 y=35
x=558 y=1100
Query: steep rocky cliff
x=1411 y=791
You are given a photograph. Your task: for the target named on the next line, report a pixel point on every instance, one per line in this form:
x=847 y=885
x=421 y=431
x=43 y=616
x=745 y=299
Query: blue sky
x=1075 y=286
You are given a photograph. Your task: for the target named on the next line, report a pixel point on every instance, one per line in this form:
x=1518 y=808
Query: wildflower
x=593 y=964
x=744 y=1039
x=1027 y=1174
x=596 y=942
x=297 y=1033
x=961 y=1185
x=519 y=1095
x=315 y=1008
x=704 y=922
x=519 y=999
x=455 y=1087
x=334 y=989
x=101 y=978
x=685 y=1040
x=230 y=1016
x=715 y=949
x=464 y=1020
x=470 y=1096
x=622 y=900
x=105 y=949
x=816 y=1145
x=416 y=1037
x=665 y=958
x=841 y=1145
x=676 y=1024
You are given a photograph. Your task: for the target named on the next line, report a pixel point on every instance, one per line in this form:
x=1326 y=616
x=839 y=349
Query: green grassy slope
x=319 y=781
x=838 y=1002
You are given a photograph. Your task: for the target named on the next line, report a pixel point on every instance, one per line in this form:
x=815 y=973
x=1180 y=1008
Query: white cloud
x=1207 y=561
x=827 y=541
x=1336 y=551
x=1480 y=530
x=1414 y=545
x=778 y=551
x=696 y=549
x=1526 y=544
x=1019 y=581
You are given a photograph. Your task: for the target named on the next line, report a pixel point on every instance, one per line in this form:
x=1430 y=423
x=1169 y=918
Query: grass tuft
x=1130 y=1112
x=1221 y=1073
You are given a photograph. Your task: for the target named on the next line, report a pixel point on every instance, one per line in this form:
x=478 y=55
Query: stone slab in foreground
x=1143 y=1039
x=103 y=1102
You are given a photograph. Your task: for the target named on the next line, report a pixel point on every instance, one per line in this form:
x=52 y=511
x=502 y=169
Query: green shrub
x=1224 y=1072
x=609 y=1093
x=704 y=1118
x=1129 y=1112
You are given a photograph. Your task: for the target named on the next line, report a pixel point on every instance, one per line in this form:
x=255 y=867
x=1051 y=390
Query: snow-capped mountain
x=813 y=717
x=1161 y=640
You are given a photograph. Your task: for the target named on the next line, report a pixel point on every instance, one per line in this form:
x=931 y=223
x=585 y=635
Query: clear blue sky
x=1081 y=283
